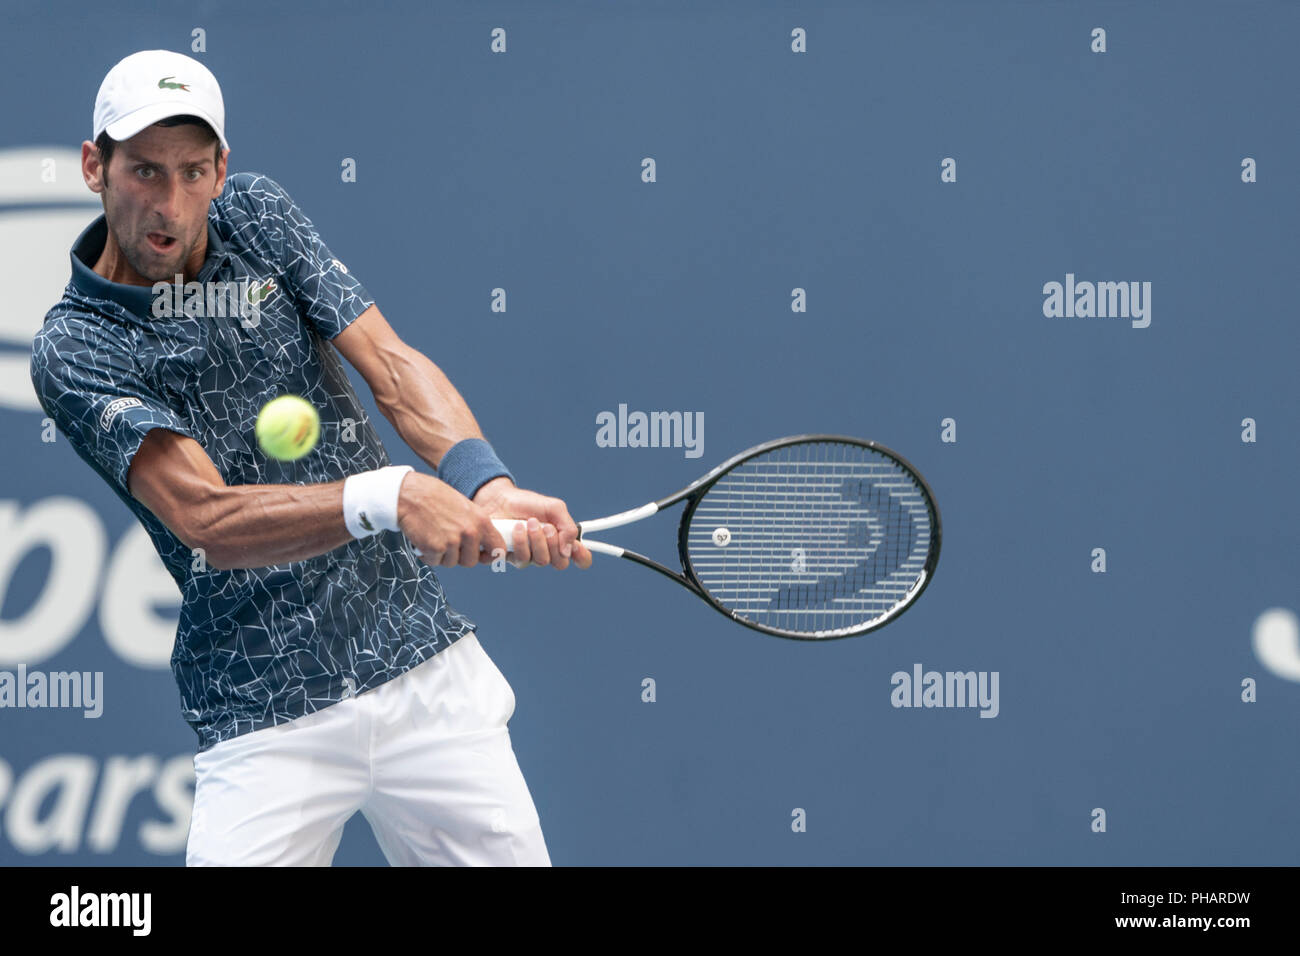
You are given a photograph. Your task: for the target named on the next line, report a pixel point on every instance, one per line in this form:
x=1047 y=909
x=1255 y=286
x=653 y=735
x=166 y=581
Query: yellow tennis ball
x=287 y=427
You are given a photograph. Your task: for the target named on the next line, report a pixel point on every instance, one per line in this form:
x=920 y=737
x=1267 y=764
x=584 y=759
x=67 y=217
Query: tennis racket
x=810 y=537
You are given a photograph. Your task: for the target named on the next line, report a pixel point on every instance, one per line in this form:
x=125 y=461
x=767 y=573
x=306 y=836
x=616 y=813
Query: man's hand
x=446 y=527
x=548 y=536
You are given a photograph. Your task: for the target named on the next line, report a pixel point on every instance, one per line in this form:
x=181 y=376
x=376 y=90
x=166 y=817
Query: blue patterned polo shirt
x=254 y=647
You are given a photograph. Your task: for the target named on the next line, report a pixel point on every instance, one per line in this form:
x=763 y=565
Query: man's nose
x=168 y=200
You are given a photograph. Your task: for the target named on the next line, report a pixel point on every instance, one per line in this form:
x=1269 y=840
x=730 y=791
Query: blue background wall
x=775 y=171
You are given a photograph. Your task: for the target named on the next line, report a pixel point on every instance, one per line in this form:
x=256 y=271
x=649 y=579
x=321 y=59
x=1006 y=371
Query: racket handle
x=506 y=528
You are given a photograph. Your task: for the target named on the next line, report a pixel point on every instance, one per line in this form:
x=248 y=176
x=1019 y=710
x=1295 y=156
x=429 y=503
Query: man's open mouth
x=161 y=241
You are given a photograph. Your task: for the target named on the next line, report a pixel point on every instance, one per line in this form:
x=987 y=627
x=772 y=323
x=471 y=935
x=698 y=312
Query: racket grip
x=506 y=528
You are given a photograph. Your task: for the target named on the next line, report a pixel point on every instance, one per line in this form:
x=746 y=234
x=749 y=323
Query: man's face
x=156 y=194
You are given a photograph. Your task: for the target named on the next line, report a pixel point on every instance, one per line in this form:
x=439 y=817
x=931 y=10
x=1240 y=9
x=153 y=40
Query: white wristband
x=370 y=500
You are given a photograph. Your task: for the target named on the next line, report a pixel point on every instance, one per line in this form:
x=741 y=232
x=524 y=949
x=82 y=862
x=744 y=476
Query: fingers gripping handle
x=506 y=528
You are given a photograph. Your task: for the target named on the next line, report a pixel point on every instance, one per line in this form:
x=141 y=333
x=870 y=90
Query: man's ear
x=221 y=173
x=92 y=170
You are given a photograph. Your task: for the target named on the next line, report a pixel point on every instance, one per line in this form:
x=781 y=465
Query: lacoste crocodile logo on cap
x=166 y=84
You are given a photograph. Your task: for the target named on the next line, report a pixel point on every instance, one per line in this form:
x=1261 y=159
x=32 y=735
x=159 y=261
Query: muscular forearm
x=425 y=408
x=254 y=526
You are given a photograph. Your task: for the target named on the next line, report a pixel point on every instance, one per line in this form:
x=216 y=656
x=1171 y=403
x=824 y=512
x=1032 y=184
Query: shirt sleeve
x=323 y=288
x=99 y=401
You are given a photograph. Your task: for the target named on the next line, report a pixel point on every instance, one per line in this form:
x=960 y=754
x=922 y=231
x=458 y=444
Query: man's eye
x=194 y=174
x=144 y=172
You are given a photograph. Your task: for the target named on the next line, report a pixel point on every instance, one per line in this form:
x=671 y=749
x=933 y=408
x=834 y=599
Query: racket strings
x=813 y=538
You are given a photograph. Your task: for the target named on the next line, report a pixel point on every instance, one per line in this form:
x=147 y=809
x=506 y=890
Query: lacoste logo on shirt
x=115 y=406
x=166 y=84
x=365 y=522
x=258 y=291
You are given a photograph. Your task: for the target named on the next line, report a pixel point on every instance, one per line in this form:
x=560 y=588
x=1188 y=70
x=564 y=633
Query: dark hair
x=106 y=144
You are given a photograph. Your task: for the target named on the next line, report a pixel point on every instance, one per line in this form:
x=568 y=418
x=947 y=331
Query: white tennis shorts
x=425 y=757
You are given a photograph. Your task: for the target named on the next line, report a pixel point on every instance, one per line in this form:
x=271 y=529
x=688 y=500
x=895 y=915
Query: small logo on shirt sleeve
x=115 y=406
x=340 y=266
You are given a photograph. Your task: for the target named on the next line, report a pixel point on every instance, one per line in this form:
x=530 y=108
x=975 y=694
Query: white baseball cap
x=152 y=85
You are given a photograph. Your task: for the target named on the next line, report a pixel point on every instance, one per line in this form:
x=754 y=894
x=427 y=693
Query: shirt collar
x=136 y=299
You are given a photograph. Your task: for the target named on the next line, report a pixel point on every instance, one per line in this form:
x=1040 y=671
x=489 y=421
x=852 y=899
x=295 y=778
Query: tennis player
x=317 y=657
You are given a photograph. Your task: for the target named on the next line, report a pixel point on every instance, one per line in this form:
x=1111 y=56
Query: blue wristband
x=469 y=465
